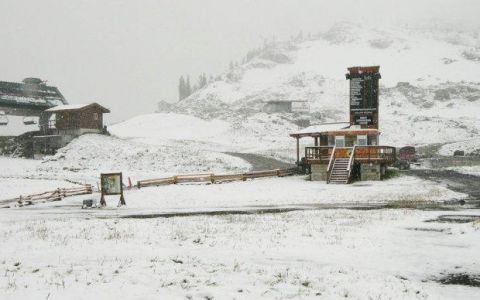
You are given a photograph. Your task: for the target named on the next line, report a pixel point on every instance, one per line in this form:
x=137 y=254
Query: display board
x=364 y=96
x=111 y=184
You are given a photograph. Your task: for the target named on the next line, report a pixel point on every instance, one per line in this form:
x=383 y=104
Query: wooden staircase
x=340 y=172
x=340 y=168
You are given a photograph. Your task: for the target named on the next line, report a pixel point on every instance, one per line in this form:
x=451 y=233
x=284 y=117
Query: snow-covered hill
x=430 y=86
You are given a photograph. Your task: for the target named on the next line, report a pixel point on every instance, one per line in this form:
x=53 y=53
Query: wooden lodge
x=67 y=122
x=344 y=152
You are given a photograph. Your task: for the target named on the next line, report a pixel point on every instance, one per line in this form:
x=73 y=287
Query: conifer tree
x=188 y=88
x=181 y=88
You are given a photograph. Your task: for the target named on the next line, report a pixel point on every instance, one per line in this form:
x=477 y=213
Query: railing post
x=298 y=151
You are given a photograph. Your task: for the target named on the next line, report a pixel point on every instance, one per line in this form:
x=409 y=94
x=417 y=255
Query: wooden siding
x=81 y=118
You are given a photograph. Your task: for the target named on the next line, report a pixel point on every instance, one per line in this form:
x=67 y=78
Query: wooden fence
x=55 y=195
x=212 y=178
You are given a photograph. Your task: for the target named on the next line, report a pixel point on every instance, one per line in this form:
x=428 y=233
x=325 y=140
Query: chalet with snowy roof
x=67 y=122
x=22 y=104
x=344 y=152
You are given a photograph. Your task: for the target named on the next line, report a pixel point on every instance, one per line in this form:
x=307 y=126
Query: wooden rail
x=330 y=164
x=380 y=154
x=49 y=196
x=212 y=178
x=351 y=160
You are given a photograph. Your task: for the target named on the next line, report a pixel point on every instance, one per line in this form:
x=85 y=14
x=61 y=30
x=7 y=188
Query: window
x=340 y=141
x=95 y=116
x=3 y=118
x=331 y=140
x=362 y=140
x=30 y=120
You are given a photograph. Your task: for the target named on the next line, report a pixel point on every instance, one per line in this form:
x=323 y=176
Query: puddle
x=426 y=229
x=460 y=279
x=455 y=219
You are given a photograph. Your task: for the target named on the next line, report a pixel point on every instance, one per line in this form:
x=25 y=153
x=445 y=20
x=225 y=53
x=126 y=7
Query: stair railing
x=330 y=163
x=350 y=162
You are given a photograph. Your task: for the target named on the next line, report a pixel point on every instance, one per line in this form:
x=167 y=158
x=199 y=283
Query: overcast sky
x=128 y=54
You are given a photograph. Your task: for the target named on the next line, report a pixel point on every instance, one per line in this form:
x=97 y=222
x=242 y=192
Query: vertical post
x=122 y=199
x=316 y=141
x=298 y=150
x=102 y=200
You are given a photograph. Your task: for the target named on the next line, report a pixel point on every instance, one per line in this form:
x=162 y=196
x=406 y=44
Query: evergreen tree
x=202 y=81
x=181 y=88
x=188 y=88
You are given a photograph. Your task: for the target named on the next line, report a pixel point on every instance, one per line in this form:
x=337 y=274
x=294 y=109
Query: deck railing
x=321 y=154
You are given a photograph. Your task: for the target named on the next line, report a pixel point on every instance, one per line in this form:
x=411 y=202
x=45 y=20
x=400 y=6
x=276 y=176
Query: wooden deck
x=363 y=154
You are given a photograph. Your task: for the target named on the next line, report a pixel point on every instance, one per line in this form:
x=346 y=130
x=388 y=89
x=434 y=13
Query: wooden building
x=343 y=152
x=67 y=122
x=77 y=118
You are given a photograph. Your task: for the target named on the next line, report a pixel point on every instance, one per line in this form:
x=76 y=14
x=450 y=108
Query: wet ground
x=458 y=182
x=460 y=279
x=260 y=162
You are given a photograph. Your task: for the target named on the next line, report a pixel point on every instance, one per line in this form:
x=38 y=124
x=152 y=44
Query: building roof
x=331 y=128
x=31 y=93
x=74 y=107
x=284 y=101
x=315 y=130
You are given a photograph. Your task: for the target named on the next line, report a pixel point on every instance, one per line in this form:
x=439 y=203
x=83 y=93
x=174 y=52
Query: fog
x=128 y=55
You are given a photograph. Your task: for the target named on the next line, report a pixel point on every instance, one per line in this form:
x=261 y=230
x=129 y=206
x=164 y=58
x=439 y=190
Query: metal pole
x=298 y=151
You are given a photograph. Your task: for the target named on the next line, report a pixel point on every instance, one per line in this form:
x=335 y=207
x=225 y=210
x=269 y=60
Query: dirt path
x=260 y=162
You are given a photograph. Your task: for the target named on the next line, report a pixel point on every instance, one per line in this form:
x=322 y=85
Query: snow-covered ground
x=272 y=192
x=335 y=254
x=468 y=146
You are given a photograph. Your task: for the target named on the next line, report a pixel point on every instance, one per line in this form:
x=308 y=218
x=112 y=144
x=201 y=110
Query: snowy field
x=335 y=254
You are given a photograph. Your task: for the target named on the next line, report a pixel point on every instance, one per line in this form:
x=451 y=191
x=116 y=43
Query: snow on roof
x=73 y=107
x=330 y=127
x=31 y=92
x=322 y=128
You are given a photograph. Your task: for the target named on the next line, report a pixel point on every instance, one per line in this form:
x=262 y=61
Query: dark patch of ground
x=275 y=209
x=460 y=279
x=456 y=219
x=260 y=162
x=455 y=181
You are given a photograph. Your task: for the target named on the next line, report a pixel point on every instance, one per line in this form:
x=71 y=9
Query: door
x=340 y=141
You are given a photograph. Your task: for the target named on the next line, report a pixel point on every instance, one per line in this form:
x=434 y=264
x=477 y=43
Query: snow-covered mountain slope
x=430 y=86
